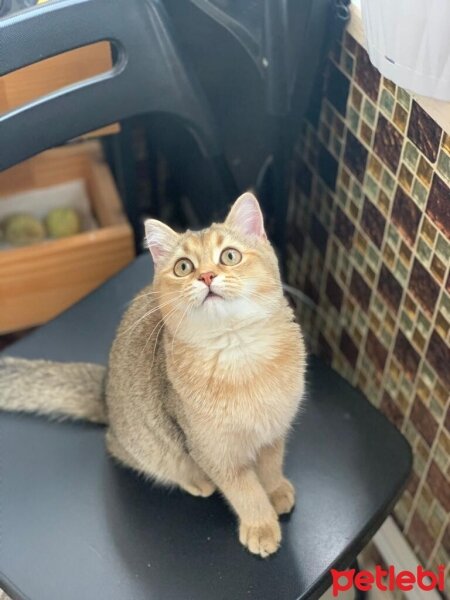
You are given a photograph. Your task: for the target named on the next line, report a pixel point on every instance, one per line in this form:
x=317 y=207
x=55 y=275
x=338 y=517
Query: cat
x=205 y=374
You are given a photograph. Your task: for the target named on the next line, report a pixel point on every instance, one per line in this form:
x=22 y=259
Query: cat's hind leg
x=170 y=467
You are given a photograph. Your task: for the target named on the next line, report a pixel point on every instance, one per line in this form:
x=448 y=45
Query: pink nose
x=207 y=277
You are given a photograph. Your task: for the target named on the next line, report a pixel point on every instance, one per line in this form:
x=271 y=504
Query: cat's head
x=218 y=275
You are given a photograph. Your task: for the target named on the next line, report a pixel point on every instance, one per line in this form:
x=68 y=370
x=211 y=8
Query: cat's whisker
x=147 y=314
x=161 y=321
x=189 y=306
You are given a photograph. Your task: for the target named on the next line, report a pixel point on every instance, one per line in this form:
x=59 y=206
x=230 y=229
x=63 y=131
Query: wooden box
x=38 y=282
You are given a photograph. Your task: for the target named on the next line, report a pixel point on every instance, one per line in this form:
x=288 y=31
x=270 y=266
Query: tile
x=393 y=413
x=405 y=215
x=387 y=103
x=356 y=98
x=383 y=202
x=424 y=171
x=405 y=178
x=439 y=485
x=334 y=292
x=428 y=231
x=353 y=119
x=404 y=98
x=424 y=132
x=388 y=182
x=328 y=167
x=443 y=166
x=411 y=155
x=446 y=142
x=370 y=187
x=374 y=167
x=337 y=88
x=438 y=206
x=424 y=252
x=344 y=229
x=360 y=291
x=438 y=354
x=388 y=143
x=375 y=350
x=438 y=269
x=419 y=193
x=389 y=85
x=389 y=288
x=400 y=117
x=406 y=355
x=373 y=222
x=366 y=75
x=355 y=156
x=319 y=235
x=443 y=248
x=350 y=43
x=369 y=112
x=423 y=287
x=366 y=133
x=348 y=348
x=423 y=421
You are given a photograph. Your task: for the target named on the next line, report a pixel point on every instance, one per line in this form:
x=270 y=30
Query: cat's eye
x=183 y=267
x=230 y=257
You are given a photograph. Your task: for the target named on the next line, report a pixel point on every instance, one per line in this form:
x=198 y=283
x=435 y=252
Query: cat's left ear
x=246 y=217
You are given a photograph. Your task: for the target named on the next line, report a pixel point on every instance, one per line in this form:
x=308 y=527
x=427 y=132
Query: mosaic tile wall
x=369 y=242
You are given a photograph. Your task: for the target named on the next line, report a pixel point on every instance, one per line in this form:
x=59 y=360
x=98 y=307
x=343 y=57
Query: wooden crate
x=49 y=75
x=40 y=281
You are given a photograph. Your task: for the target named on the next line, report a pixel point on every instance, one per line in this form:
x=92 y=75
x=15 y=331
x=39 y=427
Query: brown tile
x=406 y=355
x=360 y=290
x=424 y=421
x=366 y=75
x=424 y=171
x=376 y=351
x=428 y=231
x=438 y=268
x=405 y=178
x=366 y=133
x=334 y=292
x=355 y=156
x=350 y=43
x=391 y=410
x=383 y=201
x=388 y=143
x=389 y=85
x=438 y=355
x=400 y=117
x=438 y=207
x=423 y=287
x=356 y=97
x=424 y=132
x=344 y=229
x=446 y=142
x=405 y=253
x=373 y=222
x=389 y=288
x=348 y=348
x=374 y=167
x=439 y=484
x=405 y=215
x=413 y=483
x=419 y=534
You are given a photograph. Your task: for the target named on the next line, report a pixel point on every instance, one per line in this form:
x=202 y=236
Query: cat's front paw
x=263 y=539
x=200 y=487
x=283 y=498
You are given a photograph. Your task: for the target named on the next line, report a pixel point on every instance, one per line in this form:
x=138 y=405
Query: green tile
x=373 y=256
x=387 y=181
x=401 y=272
x=411 y=155
x=404 y=98
x=393 y=236
x=428 y=375
x=423 y=324
x=342 y=196
x=443 y=165
x=347 y=63
x=419 y=193
x=424 y=252
x=387 y=102
x=357 y=191
x=337 y=147
x=443 y=248
x=353 y=119
x=436 y=409
x=406 y=323
x=445 y=305
x=369 y=112
x=371 y=187
x=386 y=338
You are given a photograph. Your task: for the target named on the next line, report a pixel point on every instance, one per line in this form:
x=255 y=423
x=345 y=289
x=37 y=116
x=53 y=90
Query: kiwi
x=62 y=222
x=23 y=229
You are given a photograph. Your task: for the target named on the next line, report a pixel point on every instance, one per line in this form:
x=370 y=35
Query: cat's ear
x=159 y=239
x=246 y=216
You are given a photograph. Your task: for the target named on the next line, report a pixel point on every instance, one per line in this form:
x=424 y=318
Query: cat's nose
x=207 y=277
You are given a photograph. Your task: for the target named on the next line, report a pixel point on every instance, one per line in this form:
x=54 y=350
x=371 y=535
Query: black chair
x=75 y=525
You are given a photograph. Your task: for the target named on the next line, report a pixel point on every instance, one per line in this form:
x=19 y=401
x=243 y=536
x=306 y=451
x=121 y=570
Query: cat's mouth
x=211 y=296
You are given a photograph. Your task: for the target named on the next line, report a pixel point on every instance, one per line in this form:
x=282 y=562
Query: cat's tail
x=59 y=390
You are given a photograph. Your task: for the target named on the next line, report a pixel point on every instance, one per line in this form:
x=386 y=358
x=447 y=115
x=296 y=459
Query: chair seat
x=75 y=525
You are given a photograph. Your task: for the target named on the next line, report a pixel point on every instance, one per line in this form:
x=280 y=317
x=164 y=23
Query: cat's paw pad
x=261 y=539
x=202 y=487
x=283 y=498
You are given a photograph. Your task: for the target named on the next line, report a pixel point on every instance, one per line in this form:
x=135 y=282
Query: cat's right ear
x=159 y=239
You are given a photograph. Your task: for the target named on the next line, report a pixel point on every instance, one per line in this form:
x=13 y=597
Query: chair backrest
x=147 y=76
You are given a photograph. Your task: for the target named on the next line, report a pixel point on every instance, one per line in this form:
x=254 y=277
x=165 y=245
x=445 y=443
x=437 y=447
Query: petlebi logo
x=388 y=579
